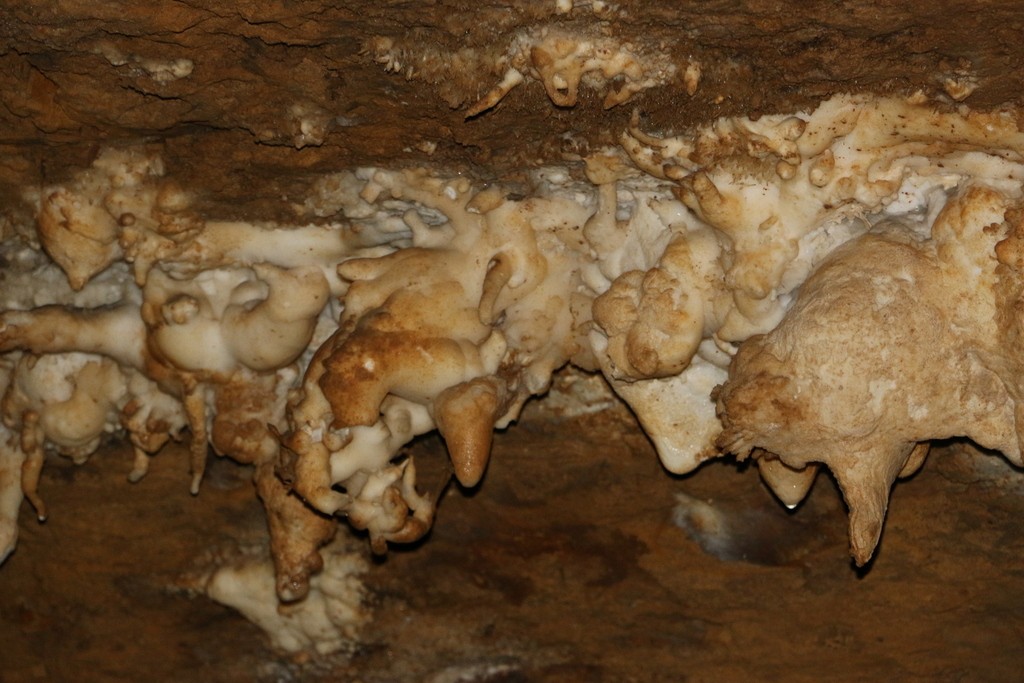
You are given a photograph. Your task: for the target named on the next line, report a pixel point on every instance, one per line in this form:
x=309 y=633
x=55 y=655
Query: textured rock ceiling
x=220 y=84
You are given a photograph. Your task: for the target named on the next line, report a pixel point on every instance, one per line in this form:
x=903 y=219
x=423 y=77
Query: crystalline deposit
x=836 y=287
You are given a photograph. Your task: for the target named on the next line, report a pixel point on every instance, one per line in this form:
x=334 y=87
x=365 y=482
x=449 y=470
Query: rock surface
x=248 y=98
x=251 y=102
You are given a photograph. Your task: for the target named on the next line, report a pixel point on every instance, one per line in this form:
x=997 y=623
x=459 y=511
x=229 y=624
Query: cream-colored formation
x=562 y=60
x=325 y=622
x=903 y=335
x=833 y=287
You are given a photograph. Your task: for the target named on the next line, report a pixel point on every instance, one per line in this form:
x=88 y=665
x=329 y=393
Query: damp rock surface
x=250 y=97
x=563 y=566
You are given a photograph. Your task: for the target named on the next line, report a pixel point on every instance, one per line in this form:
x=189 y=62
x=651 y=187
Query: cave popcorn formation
x=836 y=287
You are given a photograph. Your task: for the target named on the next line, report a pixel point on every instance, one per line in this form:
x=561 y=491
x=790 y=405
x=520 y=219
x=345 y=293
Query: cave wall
x=249 y=103
x=226 y=88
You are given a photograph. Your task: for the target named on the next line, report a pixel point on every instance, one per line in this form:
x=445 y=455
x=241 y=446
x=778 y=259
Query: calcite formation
x=897 y=339
x=560 y=59
x=835 y=287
